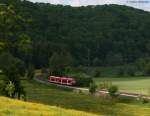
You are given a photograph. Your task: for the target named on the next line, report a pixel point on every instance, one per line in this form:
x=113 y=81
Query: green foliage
x=12 y=29
x=127 y=70
x=81 y=69
x=8 y=61
x=10 y=89
x=147 y=69
x=131 y=70
x=88 y=36
x=30 y=73
x=58 y=63
x=145 y=100
x=11 y=67
x=140 y=63
x=82 y=80
x=113 y=34
x=15 y=45
x=2 y=88
x=120 y=71
x=114 y=59
x=97 y=72
x=13 y=37
x=92 y=88
x=113 y=90
x=97 y=62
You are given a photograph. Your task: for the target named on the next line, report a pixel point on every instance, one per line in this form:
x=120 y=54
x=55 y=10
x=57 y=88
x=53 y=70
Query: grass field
x=53 y=96
x=140 y=85
x=10 y=107
x=65 y=98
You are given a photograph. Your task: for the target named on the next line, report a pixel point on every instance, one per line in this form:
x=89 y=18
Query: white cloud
x=75 y=3
x=142 y=4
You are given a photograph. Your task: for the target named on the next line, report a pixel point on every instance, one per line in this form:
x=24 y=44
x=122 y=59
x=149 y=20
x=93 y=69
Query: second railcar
x=62 y=80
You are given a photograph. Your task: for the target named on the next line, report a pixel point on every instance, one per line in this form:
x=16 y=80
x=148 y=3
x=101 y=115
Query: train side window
x=69 y=81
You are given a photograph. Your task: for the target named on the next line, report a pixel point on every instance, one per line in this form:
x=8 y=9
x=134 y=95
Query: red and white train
x=62 y=80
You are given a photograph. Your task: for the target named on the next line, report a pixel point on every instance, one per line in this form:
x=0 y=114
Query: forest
x=106 y=35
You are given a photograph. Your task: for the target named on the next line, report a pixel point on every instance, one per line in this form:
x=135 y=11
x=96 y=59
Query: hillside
x=19 y=108
x=92 y=35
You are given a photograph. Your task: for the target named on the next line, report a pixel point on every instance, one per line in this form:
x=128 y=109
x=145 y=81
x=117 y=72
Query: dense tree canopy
x=12 y=32
x=92 y=35
x=13 y=42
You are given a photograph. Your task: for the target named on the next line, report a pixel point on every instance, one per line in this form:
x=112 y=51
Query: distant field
x=139 y=85
x=10 y=107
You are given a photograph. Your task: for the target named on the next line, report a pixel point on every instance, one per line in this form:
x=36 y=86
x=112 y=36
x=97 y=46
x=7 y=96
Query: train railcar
x=62 y=80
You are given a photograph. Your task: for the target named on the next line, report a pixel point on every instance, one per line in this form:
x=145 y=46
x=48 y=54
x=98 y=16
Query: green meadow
x=65 y=98
x=140 y=85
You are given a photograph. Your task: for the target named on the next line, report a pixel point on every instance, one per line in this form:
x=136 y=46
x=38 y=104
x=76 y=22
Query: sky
x=141 y=4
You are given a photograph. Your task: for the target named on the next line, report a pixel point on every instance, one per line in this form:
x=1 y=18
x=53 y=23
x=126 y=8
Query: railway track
x=41 y=80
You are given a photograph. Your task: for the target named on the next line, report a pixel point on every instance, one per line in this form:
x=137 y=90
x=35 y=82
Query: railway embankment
x=40 y=79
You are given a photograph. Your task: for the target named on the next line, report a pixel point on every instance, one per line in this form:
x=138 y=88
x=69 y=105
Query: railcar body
x=61 y=80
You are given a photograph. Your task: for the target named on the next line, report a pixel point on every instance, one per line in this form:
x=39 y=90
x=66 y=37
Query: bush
x=140 y=63
x=113 y=90
x=2 y=88
x=92 y=88
x=120 y=71
x=10 y=89
x=145 y=100
x=97 y=73
x=131 y=71
x=97 y=62
x=83 y=81
x=147 y=69
x=80 y=69
x=31 y=72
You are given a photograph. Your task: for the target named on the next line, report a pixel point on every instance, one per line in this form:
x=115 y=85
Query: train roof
x=61 y=77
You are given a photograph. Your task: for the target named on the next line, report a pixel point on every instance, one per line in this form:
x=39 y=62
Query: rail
x=41 y=80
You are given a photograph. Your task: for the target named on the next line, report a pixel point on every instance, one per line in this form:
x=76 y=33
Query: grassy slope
x=53 y=96
x=129 y=84
x=9 y=107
